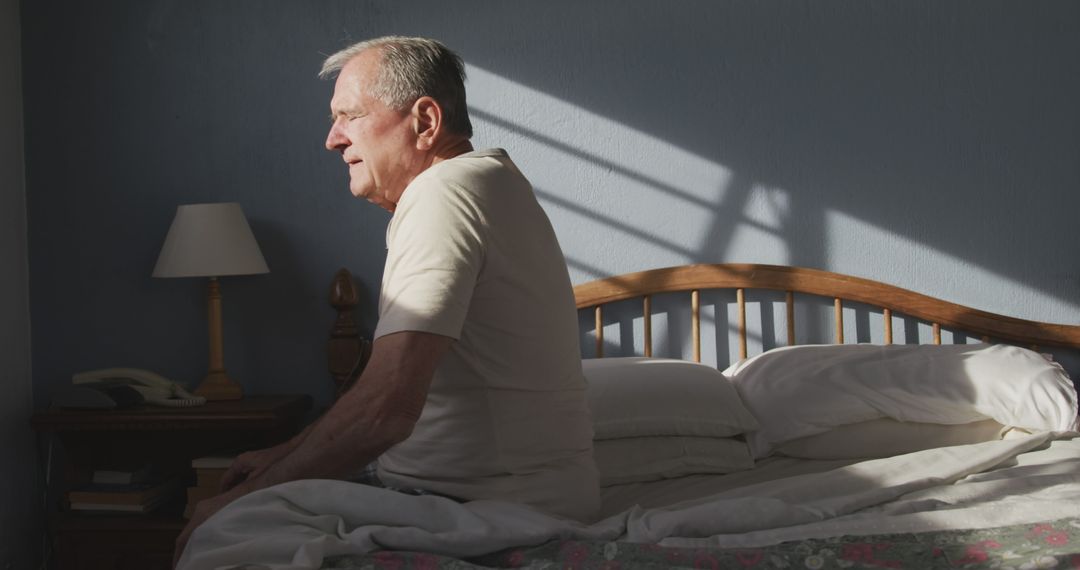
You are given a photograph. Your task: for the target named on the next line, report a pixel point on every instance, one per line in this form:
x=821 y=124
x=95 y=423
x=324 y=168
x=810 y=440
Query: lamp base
x=218 y=386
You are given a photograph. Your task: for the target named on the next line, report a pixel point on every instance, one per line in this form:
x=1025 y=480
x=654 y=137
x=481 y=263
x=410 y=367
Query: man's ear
x=427 y=122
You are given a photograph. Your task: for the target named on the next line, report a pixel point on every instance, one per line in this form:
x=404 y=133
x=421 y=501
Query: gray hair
x=412 y=68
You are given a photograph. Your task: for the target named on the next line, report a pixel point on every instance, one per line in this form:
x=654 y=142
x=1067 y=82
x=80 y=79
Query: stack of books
x=208 y=473
x=124 y=492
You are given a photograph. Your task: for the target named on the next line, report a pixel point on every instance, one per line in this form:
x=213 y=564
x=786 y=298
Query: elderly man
x=474 y=388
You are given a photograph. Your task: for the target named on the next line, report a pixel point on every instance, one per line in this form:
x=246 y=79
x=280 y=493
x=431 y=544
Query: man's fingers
x=234 y=476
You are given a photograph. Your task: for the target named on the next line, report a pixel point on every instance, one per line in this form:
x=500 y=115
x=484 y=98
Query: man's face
x=377 y=142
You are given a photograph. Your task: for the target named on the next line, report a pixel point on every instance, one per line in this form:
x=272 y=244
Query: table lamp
x=211 y=240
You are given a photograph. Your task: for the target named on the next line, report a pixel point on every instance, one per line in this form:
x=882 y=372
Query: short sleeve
x=435 y=253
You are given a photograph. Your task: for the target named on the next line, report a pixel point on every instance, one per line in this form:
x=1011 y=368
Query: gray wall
x=20 y=532
x=931 y=145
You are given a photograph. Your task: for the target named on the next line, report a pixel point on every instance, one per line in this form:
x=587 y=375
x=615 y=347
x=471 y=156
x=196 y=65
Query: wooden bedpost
x=347 y=353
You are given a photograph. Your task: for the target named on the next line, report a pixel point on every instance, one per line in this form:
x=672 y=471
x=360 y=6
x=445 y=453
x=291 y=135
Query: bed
x=859 y=453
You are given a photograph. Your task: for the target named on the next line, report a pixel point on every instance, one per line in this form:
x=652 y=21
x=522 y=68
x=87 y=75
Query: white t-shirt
x=471 y=255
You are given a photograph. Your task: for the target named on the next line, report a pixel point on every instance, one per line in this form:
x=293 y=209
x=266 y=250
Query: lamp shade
x=209 y=240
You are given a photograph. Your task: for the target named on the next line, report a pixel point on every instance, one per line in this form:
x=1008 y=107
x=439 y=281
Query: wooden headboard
x=793 y=281
x=348 y=352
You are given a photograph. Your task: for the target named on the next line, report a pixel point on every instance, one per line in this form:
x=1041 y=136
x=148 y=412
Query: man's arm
x=377 y=412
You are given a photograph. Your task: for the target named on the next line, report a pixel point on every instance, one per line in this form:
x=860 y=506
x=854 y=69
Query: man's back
x=473 y=256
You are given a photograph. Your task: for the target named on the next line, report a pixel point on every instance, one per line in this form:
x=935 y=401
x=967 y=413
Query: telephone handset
x=126 y=387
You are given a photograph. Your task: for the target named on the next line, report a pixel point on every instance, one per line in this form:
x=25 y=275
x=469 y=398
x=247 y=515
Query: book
x=120 y=508
x=213 y=462
x=124 y=494
x=209 y=470
x=123 y=476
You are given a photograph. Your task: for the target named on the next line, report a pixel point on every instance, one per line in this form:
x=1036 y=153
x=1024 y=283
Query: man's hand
x=251 y=464
x=203 y=510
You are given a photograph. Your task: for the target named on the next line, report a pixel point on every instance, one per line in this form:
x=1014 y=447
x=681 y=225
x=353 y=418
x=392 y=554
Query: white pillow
x=886 y=437
x=640 y=459
x=806 y=390
x=638 y=397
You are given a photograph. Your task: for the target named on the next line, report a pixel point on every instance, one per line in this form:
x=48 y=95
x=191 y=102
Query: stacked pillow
x=657 y=418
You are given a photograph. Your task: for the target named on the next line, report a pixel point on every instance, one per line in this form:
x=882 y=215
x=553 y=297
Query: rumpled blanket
x=299 y=524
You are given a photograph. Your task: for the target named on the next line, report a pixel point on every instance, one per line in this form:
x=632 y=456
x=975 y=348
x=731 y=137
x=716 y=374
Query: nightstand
x=168 y=438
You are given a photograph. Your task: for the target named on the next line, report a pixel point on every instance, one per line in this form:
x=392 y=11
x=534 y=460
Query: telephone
x=123 y=387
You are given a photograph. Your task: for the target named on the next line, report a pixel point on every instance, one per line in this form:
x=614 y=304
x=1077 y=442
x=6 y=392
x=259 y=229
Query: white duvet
x=997 y=483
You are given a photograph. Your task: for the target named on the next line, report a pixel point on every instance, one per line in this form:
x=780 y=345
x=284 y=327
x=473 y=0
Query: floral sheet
x=1053 y=544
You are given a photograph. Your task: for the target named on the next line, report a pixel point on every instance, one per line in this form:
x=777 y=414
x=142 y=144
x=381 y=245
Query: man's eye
x=346 y=116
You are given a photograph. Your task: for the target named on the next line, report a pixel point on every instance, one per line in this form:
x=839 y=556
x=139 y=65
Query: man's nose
x=335 y=139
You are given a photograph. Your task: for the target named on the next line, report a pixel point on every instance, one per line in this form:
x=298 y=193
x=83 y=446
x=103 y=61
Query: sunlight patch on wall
x=510 y=111
x=620 y=199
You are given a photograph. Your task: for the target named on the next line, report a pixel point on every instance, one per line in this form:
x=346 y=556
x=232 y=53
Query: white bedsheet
x=618 y=498
x=997 y=483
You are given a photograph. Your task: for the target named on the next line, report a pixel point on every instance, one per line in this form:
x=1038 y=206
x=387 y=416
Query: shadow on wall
x=739 y=207
x=932 y=122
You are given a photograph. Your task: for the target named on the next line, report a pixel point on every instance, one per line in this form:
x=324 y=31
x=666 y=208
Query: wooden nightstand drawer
x=168 y=438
